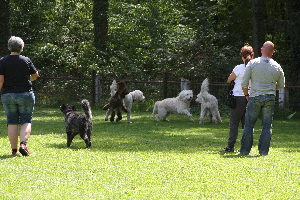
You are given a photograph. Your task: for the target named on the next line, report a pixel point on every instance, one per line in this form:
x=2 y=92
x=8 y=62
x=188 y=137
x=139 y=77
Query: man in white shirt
x=266 y=76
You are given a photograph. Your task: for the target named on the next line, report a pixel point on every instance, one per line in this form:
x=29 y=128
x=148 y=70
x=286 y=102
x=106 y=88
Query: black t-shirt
x=16 y=70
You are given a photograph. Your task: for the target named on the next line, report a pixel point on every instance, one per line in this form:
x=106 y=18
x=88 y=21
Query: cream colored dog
x=134 y=96
x=180 y=105
x=209 y=104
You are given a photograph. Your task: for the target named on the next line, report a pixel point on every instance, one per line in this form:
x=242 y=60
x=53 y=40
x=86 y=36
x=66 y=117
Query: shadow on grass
x=147 y=135
x=179 y=135
x=3 y=157
x=235 y=155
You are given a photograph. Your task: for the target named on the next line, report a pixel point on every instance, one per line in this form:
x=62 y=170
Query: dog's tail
x=204 y=86
x=86 y=108
x=155 y=108
x=106 y=106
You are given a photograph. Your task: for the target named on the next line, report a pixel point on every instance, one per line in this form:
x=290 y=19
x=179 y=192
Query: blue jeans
x=264 y=104
x=18 y=107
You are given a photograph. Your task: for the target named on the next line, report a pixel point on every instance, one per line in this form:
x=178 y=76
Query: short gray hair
x=15 y=44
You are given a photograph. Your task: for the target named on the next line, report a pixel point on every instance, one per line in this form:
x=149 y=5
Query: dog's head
x=124 y=92
x=122 y=89
x=199 y=98
x=137 y=96
x=205 y=97
x=186 y=95
x=65 y=108
x=121 y=85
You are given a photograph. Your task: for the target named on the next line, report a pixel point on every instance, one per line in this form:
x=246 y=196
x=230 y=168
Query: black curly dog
x=116 y=102
x=76 y=123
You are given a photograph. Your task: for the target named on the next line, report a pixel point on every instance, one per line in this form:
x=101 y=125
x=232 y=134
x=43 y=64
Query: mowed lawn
x=148 y=160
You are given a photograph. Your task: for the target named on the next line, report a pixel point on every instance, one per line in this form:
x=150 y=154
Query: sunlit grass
x=148 y=160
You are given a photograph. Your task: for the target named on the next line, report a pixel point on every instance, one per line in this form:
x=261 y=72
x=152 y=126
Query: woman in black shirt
x=16 y=74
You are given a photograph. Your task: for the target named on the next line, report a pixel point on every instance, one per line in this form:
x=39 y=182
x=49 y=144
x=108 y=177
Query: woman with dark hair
x=237 y=114
x=16 y=74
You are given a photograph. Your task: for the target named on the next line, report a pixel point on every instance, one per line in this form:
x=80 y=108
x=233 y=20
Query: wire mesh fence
x=52 y=90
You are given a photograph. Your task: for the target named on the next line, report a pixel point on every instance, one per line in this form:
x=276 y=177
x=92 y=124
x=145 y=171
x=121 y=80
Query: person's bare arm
x=231 y=77
x=246 y=90
x=33 y=77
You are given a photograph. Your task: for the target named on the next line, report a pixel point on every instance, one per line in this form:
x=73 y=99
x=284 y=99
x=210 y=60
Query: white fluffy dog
x=180 y=105
x=134 y=96
x=209 y=104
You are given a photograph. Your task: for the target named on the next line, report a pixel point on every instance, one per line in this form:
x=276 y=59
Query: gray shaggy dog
x=76 y=123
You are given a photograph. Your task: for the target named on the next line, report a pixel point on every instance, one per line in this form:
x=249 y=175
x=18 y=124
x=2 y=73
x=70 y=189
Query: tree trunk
x=293 y=33
x=258 y=17
x=4 y=27
x=100 y=19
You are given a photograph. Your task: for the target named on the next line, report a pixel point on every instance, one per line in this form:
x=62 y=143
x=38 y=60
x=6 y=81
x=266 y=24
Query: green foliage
x=63 y=57
x=57 y=34
x=190 y=38
x=180 y=36
x=147 y=160
x=151 y=33
x=4 y=27
x=185 y=37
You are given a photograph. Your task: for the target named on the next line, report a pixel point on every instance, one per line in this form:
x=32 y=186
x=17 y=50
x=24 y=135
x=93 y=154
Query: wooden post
x=185 y=84
x=283 y=98
x=286 y=98
x=165 y=85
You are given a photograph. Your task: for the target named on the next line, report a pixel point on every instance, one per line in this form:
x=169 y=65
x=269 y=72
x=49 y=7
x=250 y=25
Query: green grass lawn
x=148 y=160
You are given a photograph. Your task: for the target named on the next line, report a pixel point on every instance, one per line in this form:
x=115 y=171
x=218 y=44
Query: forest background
x=185 y=37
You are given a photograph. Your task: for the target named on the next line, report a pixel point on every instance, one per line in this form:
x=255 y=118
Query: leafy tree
x=100 y=20
x=150 y=36
x=4 y=27
x=258 y=13
x=293 y=38
x=57 y=34
x=144 y=36
x=222 y=28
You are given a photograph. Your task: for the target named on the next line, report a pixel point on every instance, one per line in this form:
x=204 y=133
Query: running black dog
x=75 y=123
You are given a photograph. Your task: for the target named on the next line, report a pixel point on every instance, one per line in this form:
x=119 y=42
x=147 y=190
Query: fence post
x=165 y=85
x=283 y=98
x=185 y=84
x=286 y=98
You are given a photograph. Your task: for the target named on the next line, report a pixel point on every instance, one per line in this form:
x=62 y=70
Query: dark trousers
x=237 y=115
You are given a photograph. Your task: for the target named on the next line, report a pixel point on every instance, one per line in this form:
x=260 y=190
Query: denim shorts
x=18 y=107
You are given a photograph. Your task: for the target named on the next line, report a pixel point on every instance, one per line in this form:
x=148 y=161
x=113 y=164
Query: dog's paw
x=118 y=119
